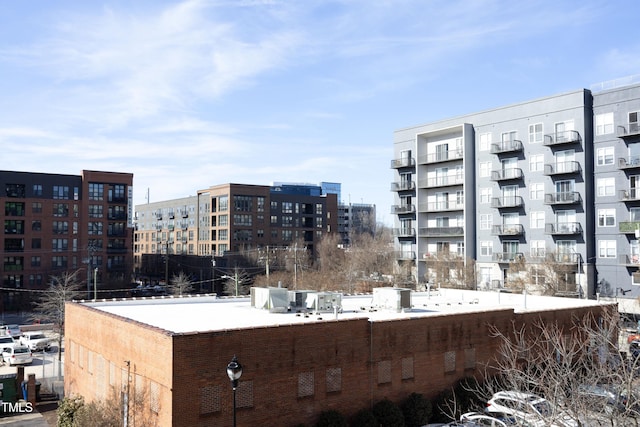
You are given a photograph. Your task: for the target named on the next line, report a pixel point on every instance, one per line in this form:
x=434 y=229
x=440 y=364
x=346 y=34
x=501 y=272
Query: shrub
x=331 y=419
x=388 y=414
x=67 y=410
x=364 y=418
x=416 y=410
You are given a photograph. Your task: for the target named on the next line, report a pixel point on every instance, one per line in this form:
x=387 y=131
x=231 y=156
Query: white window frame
x=607 y=249
x=485 y=195
x=606 y=217
x=606 y=187
x=484 y=169
x=605 y=156
x=486 y=248
x=604 y=123
x=536 y=163
x=536 y=133
x=538 y=248
x=536 y=219
x=484 y=143
x=536 y=191
x=486 y=221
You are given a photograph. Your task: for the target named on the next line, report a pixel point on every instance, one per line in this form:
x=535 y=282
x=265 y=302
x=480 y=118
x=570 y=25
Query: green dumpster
x=8 y=391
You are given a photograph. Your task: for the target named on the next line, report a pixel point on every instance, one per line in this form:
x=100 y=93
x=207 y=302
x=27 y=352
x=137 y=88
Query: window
x=537 y=219
x=485 y=196
x=604 y=123
x=287 y=221
x=606 y=217
x=60 y=209
x=535 y=133
x=605 y=156
x=260 y=203
x=223 y=220
x=96 y=191
x=95 y=228
x=318 y=208
x=485 y=169
x=223 y=203
x=37 y=190
x=536 y=191
x=15 y=190
x=60 y=192
x=606 y=248
x=36 y=207
x=486 y=221
x=59 y=245
x=287 y=235
x=605 y=187
x=60 y=227
x=36 y=225
x=486 y=248
x=242 y=219
x=287 y=207
x=536 y=163
x=538 y=248
x=117 y=193
x=485 y=141
x=242 y=203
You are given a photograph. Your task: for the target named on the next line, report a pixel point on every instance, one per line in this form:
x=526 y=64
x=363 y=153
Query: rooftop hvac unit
x=298 y=299
x=324 y=301
x=272 y=299
x=397 y=299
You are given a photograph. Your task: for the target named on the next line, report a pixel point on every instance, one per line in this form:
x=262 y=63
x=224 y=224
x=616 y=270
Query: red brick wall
x=345 y=365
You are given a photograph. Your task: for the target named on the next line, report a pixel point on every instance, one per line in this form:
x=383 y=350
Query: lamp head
x=234 y=371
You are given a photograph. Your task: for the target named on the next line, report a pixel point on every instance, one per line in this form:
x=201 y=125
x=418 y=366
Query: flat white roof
x=208 y=313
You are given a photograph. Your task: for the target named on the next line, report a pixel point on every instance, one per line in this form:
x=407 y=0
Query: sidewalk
x=43 y=415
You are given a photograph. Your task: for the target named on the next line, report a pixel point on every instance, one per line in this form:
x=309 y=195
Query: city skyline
x=190 y=94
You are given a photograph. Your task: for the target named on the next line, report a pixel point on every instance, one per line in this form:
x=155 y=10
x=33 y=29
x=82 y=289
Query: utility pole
x=267 y=265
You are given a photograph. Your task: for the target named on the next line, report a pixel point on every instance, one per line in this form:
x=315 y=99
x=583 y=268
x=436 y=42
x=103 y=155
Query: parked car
x=36 y=341
x=527 y=408
x=17 y=355
x=13 y=330
x=6 y=341
x=486 y=420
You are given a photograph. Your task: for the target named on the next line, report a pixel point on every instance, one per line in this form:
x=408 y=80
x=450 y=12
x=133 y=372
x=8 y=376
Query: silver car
x=18 y=355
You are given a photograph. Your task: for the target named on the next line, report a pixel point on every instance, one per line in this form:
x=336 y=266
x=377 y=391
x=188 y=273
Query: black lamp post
x=234 y=371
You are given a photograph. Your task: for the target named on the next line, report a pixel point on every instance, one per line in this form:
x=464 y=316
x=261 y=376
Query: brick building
x=168 y=355
x=55 y=223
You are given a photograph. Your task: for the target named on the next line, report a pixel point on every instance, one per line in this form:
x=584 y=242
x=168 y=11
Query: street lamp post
x=234 y=371
x=95 y=283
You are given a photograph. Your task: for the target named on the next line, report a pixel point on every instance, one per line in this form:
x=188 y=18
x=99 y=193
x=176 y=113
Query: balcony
x=562 y=168
x=442 y=181
x=563 y=228
x=404 y=232
x=565 y=258
x=559 y=138
x=440 y=231
x=629 y=227
x=630 y=195
x=441 y=206
x=629 y=260
x=507 y=256
x=506 y=174
x=508 y=230
x=632 y=162
x=405 y=162
x=403 y=209
x=403 y=186
x=563 y=198
x=630 y=131
x=446 y=156
x=512 y=146
x=405 y=255
x=507 y=202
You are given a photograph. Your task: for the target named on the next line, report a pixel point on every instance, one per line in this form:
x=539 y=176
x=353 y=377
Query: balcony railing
x=632 y=130
x=440 y=231
x=506 y=174
x=561 y=168
x=404 y=232
x=629 y=163
x=630 y=260
x=405 y=162
x=630 y=194
x=508 y=230
x=440 y=157
x=566 y=228
x=403 y=209
x=403 y=186
x=564 y=137
x=506 y=146
x=507 y=202
x=441 y=181
x=405 y=255
x=562 y=198
x=441 y=206
x=565 y=258
x=507 y=256
x=629 y=227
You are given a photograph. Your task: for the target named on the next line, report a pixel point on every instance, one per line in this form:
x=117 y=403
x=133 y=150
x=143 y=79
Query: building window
x=117 y=193
x=449 y=361
x=604 y=124
x=538 y=248
x=242 y=203
x=537 y=219
x=535 y=133
x=36 y=207
x=606 y=248
x=486 y=221
x=485 y=142
x=606 y=217
x=36 y=261
x=36 y=243
x=36 y=225
x=37 y=190
x=384 y=372
x=242 y=219
x=95 y=228
x=287 y=235
x=486 y=248
x=260 y=203
x=96 y=191
x=536 y=163
x=485 y=169
x=59 y=262
x=60 y=227
x=318 y=208
x=60 y=192
x=469 y=358
x=287 y=207
x=334 y=380
x=15 y=190
x=223 y=220
x=305 y=384
x=606 y=187
x=60 y=209
x=95 y=211
x=536 y=191
x=605 y=156
x=287 y=221
x=485 y=196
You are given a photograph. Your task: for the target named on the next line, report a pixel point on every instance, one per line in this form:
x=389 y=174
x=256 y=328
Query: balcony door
x=565 y=220
x=509 y=195
x=564 y=190
x=564 y=160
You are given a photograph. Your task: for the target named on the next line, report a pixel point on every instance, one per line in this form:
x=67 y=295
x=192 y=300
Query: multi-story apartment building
x=61 y=223
x=551 y=180
x=355 y=218
x=234 y=218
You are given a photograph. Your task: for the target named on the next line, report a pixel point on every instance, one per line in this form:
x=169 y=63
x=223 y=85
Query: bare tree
x=180 y=284
x=51 y=305
x=237 y=283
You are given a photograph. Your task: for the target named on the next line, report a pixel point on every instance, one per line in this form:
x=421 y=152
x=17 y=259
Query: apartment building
x=57 y=223
x=546 y=183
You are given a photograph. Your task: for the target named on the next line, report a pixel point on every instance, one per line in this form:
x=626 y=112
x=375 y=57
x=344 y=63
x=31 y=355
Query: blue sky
x=190 y=94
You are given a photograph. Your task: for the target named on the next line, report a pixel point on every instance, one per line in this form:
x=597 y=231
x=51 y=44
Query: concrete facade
x=536 y=182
